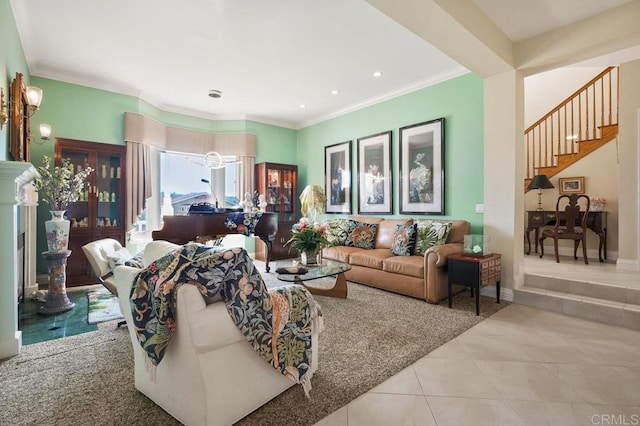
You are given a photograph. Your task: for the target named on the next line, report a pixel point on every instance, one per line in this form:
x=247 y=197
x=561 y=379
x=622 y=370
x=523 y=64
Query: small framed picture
x=374 y=174
x=337 y=172
x=572 y=185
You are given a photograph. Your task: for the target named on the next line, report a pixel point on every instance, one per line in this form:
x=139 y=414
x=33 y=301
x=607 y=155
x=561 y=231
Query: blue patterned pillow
x=361 y=234
x=404 y=240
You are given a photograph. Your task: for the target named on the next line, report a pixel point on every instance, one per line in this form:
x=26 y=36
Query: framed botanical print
x=422 y=168
x=337 y=175
x=374 y=174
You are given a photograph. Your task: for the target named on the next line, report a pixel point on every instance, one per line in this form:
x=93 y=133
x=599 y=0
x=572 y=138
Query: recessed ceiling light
x=303 y=106
x=334 y=92
x=215 y=94
x=377 y=74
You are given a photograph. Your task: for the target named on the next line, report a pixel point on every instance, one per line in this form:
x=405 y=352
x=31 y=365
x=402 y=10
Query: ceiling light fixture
x=377 y=74
x=303 y=106
x=334 y=92
x=215 y=94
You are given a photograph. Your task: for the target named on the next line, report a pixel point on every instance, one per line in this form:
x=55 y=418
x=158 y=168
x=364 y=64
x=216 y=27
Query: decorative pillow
x=431 y=233
x=336 y=231
x=404 y=240
x=118 y=257
x=135 y=261
x=361 y=234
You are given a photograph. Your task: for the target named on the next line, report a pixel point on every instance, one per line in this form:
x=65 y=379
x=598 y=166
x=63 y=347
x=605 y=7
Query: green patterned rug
x=103 y=306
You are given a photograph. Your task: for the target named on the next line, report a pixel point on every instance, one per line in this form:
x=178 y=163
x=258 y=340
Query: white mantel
x=14 y=176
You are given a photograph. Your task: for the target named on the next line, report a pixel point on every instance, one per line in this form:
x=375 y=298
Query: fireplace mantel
x=14 y=191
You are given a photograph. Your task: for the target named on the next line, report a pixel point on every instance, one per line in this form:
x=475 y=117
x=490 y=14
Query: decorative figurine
x=262 y=203
x=247 y=204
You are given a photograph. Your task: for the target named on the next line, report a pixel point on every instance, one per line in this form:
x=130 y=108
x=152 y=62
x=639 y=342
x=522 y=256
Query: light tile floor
x=520 y=366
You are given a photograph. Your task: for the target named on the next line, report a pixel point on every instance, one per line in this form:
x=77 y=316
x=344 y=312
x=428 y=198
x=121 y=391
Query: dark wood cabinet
x=279 y=184
x=100 y=212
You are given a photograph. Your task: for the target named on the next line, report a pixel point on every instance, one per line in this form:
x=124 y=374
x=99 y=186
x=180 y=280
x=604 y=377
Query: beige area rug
x=368 y=337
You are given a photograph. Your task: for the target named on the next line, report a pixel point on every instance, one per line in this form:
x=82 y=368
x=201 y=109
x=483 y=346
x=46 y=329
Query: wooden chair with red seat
x=573 y=226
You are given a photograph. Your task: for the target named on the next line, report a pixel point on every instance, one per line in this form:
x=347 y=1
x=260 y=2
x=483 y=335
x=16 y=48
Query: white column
x=31 y=225
x=504 y=171
x=13 y=176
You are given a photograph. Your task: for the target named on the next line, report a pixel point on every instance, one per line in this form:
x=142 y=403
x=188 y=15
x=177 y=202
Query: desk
x=596 y=221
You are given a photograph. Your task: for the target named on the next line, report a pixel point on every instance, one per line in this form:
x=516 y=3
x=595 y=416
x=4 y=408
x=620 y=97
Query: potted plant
x=308 y=239
x=58 y=186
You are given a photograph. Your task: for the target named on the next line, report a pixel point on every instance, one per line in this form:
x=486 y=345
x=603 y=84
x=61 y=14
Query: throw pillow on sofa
x=361 y=234
x=431 y=233
x=336 y=231
x=404 y=240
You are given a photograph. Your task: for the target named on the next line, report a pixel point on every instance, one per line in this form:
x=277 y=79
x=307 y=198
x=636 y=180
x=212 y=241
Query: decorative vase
x=57 y=231
x=309 y=257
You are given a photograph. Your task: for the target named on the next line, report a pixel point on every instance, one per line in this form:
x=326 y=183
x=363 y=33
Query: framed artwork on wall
x=337 y=177
x=19 y=127
x=422 y=168
x=374 y=174
x=571 y=185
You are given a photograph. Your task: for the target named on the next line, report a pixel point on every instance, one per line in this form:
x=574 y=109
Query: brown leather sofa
x=424 y=277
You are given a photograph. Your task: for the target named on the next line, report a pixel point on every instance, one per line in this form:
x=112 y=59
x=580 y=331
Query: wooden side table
x=57 y=300
x=474 y=272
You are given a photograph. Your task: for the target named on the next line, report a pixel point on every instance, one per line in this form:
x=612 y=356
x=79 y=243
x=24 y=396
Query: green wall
x=12 y=60
x=459 y=101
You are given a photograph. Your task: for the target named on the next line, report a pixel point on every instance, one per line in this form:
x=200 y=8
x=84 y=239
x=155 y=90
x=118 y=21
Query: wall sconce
x=34 y=99
x=45 y=131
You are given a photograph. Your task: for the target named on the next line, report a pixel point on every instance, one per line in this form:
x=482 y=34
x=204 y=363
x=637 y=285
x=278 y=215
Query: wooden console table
x=596 y=221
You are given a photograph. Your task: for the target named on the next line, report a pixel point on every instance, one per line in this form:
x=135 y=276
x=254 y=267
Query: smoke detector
x=215 y=94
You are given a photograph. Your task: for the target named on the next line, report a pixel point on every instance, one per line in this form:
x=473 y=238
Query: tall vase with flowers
x=58 y=186
x=308 y=238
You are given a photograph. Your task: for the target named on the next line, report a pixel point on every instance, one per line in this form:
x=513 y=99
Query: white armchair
x=209 y=375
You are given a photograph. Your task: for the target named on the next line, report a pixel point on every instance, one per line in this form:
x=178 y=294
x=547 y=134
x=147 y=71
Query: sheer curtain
x=139 y=187
x=245 y=176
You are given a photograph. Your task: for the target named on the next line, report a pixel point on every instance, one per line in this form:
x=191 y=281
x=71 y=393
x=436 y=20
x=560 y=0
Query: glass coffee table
x=326 y=269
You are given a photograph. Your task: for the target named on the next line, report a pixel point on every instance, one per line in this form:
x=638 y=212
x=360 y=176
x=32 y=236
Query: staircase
x=579 y=125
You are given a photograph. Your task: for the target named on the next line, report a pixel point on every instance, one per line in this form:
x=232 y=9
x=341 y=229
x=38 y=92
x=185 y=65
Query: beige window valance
x=141 y=129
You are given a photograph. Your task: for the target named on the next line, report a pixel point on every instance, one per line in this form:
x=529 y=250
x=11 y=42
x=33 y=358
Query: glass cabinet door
x=78 y=212
x=108 y=175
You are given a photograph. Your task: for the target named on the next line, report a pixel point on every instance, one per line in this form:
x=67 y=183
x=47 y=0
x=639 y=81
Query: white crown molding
x=457 y=72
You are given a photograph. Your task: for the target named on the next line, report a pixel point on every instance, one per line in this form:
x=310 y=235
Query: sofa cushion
x=339 y=253
x=387 y=230
x=404 y=240
x=431 y=233
x=406 y=265
x=361 y=234
x=369 y=258
x=336 y=231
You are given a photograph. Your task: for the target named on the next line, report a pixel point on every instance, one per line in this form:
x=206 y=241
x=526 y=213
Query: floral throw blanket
x=243 y=223
x=278 y=323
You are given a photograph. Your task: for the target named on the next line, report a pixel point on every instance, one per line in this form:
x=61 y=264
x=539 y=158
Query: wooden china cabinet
x=279 y=184
x=100 y=212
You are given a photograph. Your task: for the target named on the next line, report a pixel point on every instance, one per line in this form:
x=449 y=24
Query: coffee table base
x=339 y=290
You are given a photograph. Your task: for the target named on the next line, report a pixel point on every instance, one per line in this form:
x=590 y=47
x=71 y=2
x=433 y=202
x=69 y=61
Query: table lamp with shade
x=540 y=182
x=312 y=202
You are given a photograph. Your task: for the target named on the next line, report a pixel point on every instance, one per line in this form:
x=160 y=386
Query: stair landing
x=597 y=291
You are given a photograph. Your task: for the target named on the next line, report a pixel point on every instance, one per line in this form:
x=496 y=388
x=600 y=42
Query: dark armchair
x=571 y=224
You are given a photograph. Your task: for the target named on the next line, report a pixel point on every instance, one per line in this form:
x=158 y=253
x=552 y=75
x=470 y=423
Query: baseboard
x=490 y=291
x=11 y=347
x=627 y=265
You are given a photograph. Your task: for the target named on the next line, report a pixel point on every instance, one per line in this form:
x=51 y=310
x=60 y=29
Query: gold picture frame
x=19 y=124
x=571 y=185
